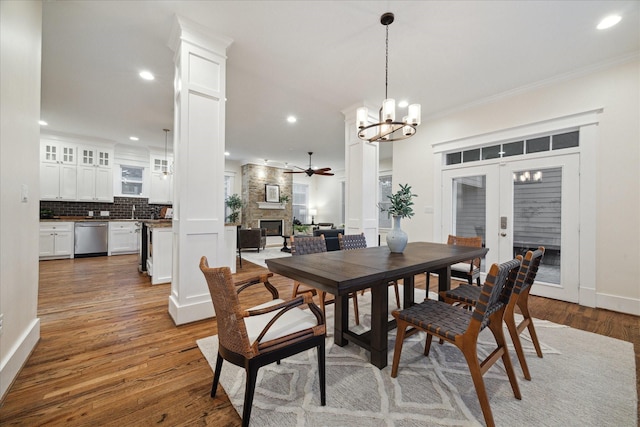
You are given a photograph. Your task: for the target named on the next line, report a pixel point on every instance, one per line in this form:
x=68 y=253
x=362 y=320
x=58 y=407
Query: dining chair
x=359 y=241
x=468 y=295
x=468 y=270
x=263 y=334
x=462 y=327
x=312 y=245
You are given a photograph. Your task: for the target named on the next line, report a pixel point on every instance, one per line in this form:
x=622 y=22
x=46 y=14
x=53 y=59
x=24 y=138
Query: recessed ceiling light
x=134 y=138
x=292 y=119
x=42 y=123
x=403 y=104
x=226 y=153
x=609 y=22
x=146 y=75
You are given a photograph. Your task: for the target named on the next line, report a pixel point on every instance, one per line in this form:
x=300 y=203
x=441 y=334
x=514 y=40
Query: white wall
x=617 y=91
x=20 y=58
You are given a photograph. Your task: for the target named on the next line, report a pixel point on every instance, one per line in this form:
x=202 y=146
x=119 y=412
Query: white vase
x=396 y=238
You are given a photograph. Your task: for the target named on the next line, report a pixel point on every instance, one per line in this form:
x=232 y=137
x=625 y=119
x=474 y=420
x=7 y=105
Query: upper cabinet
x=95 y=174
x=58 y=171
x=72 y=172
x=161 y=180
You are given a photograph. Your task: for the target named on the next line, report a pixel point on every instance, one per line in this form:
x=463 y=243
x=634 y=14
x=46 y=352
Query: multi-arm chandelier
x=388 y=128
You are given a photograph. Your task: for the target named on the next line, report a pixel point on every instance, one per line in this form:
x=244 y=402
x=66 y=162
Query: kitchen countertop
x=102 y=219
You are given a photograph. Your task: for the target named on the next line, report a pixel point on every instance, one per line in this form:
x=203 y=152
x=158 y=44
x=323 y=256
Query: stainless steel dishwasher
x=91 y=239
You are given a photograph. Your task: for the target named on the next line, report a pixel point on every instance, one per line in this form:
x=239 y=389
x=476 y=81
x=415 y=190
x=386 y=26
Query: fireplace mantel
x=270 y=205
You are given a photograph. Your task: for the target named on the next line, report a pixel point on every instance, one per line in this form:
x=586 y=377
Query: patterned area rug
x=583 y=380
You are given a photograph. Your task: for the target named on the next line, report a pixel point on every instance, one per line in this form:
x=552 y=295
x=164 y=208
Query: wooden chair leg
x=427 y=344
x=498 y=334
x=470 y=354
x=401 y=330
x=509 y=320
x=216 y=375
x=523 y=304
x=296 y=285
x=322 y=374
x=395 y=288
x=355 y=307
x=252 y=375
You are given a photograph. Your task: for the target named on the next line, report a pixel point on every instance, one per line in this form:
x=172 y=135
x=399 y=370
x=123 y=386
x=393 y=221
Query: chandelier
x=388 y=128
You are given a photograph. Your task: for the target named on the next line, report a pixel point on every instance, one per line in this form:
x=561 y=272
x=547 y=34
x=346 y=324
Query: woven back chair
x=359 y=241
x=462 y=327
x=468 y=270
x=265 y=334
x=467 y=295
x=305 y=246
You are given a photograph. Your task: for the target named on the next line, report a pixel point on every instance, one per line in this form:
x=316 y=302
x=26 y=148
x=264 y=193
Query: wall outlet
x=104 y=213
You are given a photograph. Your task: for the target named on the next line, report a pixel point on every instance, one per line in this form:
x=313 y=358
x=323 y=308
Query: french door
x=519 y=205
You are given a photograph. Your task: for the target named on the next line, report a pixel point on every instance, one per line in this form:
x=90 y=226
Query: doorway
x=517 y=205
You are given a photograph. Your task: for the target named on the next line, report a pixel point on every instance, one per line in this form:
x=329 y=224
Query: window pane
x=513 y=148
x=565 y=140
x=537 y=145
x=299 y=203
x=491 y=152
x=537 y=208
x=131 y=180
x=454 y=158
x=471 y=155
x=384 y=190
x=470 y=207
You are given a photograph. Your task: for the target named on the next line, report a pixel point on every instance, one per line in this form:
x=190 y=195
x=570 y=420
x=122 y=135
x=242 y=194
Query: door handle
x=503 y=234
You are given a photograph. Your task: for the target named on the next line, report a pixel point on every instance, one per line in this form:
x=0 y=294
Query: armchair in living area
x=251 y=238
x=330 y=237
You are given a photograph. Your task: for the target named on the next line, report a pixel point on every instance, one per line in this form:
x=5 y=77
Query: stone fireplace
x=256 y=209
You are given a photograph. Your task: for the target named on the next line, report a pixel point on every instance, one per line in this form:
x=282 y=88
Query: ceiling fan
x=310 y=171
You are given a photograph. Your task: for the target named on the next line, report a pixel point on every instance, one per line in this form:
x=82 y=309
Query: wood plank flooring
x=109 y=353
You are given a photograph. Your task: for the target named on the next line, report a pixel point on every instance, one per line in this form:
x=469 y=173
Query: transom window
x=515 y=148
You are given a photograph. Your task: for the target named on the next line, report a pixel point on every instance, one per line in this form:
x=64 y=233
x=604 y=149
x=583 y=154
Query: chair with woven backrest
x=462 y=327
x=359 y=241
x=263 y=334
x=469 y=294
x=468 y=270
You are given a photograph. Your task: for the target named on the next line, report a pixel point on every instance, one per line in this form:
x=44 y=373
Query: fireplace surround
x=273 y=226
x=255 y=208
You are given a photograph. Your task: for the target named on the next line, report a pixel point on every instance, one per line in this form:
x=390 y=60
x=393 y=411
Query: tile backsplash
x=121 y=208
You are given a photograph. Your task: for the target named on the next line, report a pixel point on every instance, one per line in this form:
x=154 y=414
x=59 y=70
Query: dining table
x=341 y=273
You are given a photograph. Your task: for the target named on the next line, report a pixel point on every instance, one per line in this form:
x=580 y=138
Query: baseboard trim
x=17 y=357
x=188 y=313
x=618 y=303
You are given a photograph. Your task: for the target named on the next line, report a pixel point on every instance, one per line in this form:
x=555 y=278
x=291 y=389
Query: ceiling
x=312 y=59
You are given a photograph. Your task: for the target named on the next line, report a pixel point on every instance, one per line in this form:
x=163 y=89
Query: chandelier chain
x=386 y=64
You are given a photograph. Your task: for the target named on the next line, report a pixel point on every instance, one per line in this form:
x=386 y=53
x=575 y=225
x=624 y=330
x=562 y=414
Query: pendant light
x=388 y=128
x=165 y=169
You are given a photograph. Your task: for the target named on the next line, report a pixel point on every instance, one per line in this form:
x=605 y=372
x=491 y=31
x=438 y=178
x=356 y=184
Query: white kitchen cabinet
x=160 y=254
x=58 y=175
x=161 y=183
x=123 y=237
x=95 y=174
x=56 y=239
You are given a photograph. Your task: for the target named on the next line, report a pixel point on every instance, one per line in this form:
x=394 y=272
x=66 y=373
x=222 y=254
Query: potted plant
x=234 y=202
x=284 y=199
x=401 y=207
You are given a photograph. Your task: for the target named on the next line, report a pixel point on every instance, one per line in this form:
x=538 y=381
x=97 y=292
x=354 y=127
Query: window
x=131 y=179
x=228 y=191
x=300 y=203
x=515 y=148
x=384 y=190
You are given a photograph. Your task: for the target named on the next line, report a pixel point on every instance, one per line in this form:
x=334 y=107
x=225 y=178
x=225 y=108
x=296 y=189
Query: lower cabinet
x=160 y=254
x=123 y=237
x=56 y=240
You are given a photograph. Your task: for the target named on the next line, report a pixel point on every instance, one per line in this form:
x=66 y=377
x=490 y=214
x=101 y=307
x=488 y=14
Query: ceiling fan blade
x=293 y=172
x=322 y=169
x=324 y=173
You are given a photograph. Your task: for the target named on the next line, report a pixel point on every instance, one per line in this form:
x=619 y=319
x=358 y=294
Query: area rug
x=258 y=258
x=584 y=379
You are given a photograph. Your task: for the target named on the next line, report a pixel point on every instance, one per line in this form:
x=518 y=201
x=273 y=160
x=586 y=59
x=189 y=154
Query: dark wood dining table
x=342 y=272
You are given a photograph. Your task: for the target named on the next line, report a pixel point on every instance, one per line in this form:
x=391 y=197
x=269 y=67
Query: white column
x=361 y=173
x=199 y=140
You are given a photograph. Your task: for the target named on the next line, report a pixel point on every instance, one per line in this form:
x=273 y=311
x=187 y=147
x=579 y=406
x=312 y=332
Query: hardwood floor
x=109 y=353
